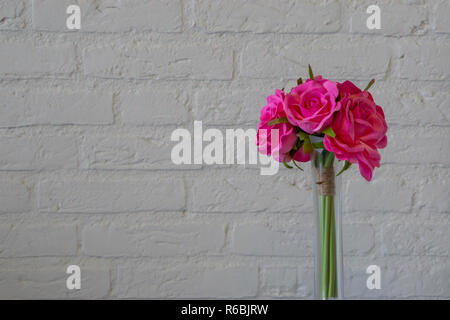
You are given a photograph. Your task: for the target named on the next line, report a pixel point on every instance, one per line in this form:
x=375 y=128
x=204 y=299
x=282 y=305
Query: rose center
x=313 y=103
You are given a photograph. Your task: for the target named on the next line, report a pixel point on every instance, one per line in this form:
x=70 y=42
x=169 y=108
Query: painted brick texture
x=86 y=176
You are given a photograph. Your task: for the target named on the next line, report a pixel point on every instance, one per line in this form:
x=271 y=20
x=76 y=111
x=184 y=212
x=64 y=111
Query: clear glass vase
x=328 y=225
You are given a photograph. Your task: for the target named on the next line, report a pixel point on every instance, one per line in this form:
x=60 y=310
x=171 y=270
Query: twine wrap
x=325 y=182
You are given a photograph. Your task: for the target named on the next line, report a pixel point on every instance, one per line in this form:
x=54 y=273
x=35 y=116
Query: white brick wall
x=274 y=16
x=24 y=107
x=111 y=15
x=146 y=60
x=20 y=60
x=273 y=58
x=85 y=169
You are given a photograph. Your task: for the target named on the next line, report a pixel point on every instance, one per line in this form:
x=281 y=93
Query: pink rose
x=286 y=132
x=311 y=105
x=360 y=129
x=301 y=156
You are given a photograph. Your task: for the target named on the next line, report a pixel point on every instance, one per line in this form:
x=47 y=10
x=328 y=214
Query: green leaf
x=286 y=165
x=318 y=145
x=369 y=84
x=311 y=74
x=295 y=164
x=299 y=81
x=329 y=132
x=302 y=135
x=277 y=121
x=346 y=166
x=307 y=146
x=298 y=144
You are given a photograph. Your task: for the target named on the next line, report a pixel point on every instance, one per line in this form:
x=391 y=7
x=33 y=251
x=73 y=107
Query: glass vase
x=328 y=225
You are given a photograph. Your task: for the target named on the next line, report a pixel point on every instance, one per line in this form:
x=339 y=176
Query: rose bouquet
x=333 y=125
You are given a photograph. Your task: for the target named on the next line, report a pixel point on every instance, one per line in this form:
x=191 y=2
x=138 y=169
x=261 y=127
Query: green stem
x=325 y=254
x=327 y=235
x=323 y=279
x=332 y=253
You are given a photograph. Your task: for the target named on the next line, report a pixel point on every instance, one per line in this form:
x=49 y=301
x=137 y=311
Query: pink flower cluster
x=320 y=107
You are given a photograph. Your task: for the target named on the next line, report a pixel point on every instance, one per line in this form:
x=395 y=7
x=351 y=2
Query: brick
x=388 y=191
x=110 y=15
x=186 y=281
x=152 y=240
x=37 y=240
x=355 y=279
x=155 y=107
x=395 y=282
x=55 y=107
x=15 y=196
x=412 y=104
x=105 y=195
x=270 y=16
x=423 y=60
x=125 y=152
x=431 y=192
x=435 y=195
x=396 y=18
x=130 y=152
x=399 y=277
x=435 y=284
x=275 y=59
x=287 y=281
x=249 y=193
x=228 y=106
x=137 y=60
x=441 y=14
x=279 y=281
x=417 y=145
x=358 y=239
x=258 y=239
x=305 y=280
x=31 y=280
x=421 y=239
x=12 y=15
x=38 y=153
x=25 y=60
